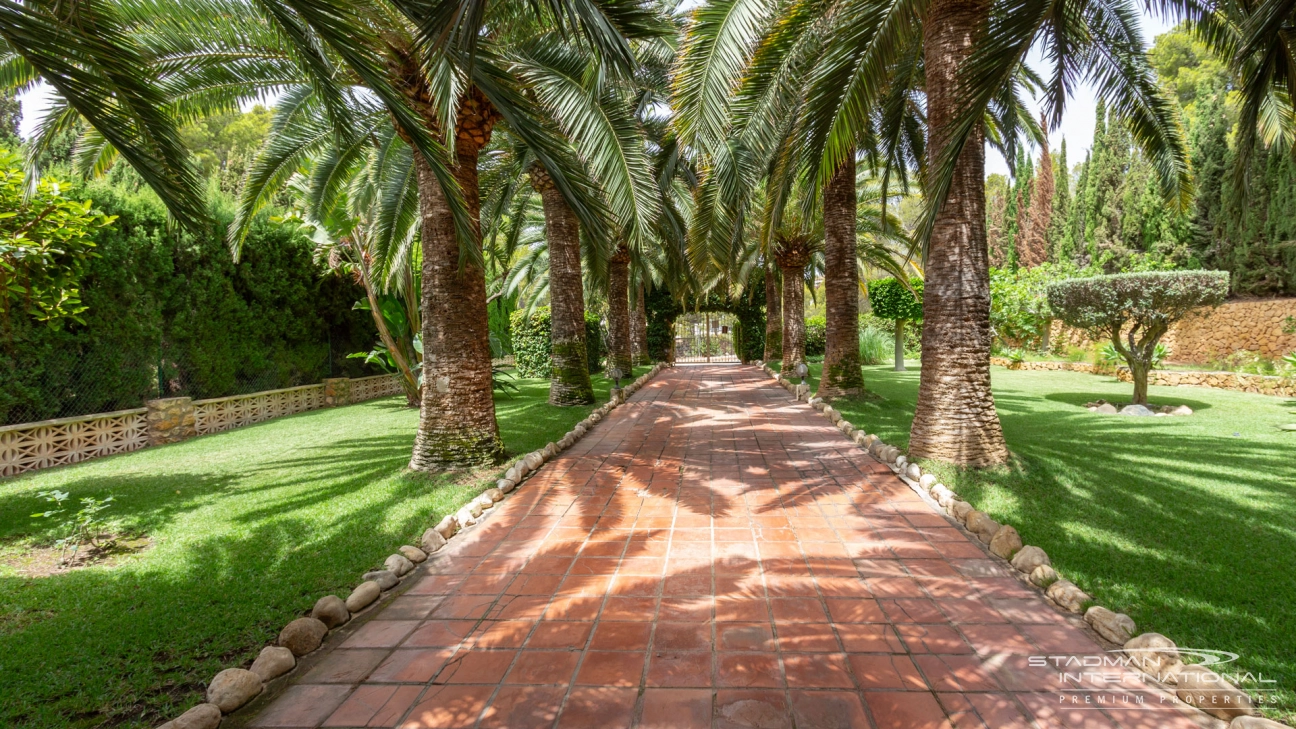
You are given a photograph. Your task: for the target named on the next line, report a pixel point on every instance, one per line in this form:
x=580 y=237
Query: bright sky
x=1077 y=123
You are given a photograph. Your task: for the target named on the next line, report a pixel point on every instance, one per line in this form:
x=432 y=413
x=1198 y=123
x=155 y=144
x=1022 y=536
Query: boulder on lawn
x=1203 y=688
x=363 y=596
x=1106 y=409
x=232 y=688
x=959 y=508
x=466 y=517
x=914 y=472
x=535 y=460
x=1114 y=626
x=413 y=554
x=386 y=579
x=980 y=524
x=432 y=541
x=202 y=716
x=1070 y=597
x=302 y=635
x=331 y=611
x=447 y=526
x=1136 y=410
x=398 y=564
x=926 y=481
x=273 y=662
x=1005 y=542
x=1043 y=576
x=1182 y=410
x=1152 y=653
x=941 y=494
x=1028 y=558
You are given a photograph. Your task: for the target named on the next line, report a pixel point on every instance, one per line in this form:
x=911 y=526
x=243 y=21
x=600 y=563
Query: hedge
x=533 y=348
x=891 y=300
x=159 y=297
x=816 y=336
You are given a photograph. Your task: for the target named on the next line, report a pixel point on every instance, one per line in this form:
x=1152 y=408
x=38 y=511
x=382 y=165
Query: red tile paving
x=712 y=554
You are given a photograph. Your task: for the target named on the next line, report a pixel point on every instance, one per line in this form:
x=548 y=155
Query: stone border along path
x=1152 y=654
x=714 y=555
x=235 y=688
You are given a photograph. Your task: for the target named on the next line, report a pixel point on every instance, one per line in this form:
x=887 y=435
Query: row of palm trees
x=665 y=148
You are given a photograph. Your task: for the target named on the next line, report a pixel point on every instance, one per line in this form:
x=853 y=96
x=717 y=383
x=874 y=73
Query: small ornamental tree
x=892 y=300
x=1134 y=310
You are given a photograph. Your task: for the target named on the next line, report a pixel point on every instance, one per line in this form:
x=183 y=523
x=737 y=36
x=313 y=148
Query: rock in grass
x=1114 y=626
x=1028 y=558
x=386 y=579
x=980 y=524
x=1255 y=722
x=505 y=486
x=1070 y=597
x=534 y=460
x=1005 y=542
x=868 y=440
x=413 y=554
x=1136 y=410
x=1201 y=687
x=1182 y=410
x=1152 y=653
x=363 y=596
x=1106 y=409
x=926 y=481
x=494 y=494
x=550 y=450
x=331 y=611
x=232 y=688
x=447 y=526
x=1043 y=576
x=483 y=501
x=941 y=494
x=398 y=564
x=431 y=541
x=302 y=636
x=901 y=461
x=914 y=472
x=846 y=428
x=202 y=716
x=273 y=662
x=512 y=475
x=466 y=517
x=960 y=509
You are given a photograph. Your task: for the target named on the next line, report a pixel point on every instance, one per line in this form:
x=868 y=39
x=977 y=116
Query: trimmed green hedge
x=891 y=300
x=533 y=347
x=816 y=336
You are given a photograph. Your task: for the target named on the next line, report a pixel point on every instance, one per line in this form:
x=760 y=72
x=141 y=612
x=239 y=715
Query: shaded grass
x=1188 y=524
x=249 y=528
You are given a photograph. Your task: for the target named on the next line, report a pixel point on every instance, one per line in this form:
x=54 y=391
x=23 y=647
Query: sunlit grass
x=1188 y=524
x=248 y=527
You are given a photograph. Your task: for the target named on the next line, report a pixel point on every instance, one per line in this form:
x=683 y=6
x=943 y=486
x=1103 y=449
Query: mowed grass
x=248 y=529
x=1188 y=524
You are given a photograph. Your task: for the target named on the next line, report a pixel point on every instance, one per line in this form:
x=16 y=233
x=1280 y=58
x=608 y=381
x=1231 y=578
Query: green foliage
x=662 y=309
x=1108 y=355
x=876 y=345
x=78 y=529
x=816 y=336
x=46 y=242
x=892 y=300
x=1103 y=304
x=533 y=347
x=167 y=310
x=1019 y=308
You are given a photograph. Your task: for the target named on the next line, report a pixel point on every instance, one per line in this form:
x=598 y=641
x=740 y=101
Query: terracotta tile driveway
x=712 y=555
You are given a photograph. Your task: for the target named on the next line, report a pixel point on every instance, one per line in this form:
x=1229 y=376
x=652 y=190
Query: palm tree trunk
x=841 y=375
x=955 y=418
x=793 y=318
x=457 y=422
x=773 y=314
x=639 y=330
x=619 y=311
x=569 y=380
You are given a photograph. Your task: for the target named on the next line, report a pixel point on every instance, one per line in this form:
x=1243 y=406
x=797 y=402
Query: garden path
x=711 y=555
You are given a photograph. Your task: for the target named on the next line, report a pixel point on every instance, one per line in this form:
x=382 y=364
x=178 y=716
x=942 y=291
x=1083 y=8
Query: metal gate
x=705 y=337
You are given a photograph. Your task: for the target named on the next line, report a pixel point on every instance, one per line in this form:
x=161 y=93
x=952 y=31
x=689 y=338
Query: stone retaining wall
x=1258 y=384
x=1253 y=325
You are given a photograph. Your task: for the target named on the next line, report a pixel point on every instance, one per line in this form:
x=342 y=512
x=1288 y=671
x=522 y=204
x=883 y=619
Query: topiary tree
x=1134 y=310
x=891 y=299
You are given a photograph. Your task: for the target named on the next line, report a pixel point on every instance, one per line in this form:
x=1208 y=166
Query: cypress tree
x=1061 y=217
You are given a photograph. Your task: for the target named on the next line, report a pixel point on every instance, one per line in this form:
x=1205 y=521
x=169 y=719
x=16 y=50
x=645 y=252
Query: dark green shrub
x=1134 y=310
x=816 y=336
x=891 y=300
x=532 y=346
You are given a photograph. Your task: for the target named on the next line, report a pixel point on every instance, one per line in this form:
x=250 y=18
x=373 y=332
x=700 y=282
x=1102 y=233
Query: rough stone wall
x=1254 y=325
x=171 y=420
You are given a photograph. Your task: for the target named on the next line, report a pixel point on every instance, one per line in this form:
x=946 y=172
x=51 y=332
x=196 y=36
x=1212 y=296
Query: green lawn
x=1187 y=524
x=249 y=527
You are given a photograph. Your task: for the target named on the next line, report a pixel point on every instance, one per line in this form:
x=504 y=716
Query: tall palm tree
x=836 y=78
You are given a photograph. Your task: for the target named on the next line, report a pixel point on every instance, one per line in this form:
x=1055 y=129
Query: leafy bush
x=816 y=336
x=533 y=347
x=875 y=345
x=169 y=310
x=1019 y=308
x=1134 y=310
x=891 y=300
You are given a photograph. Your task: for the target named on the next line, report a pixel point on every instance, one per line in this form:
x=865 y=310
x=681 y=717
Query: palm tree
x=835 y=79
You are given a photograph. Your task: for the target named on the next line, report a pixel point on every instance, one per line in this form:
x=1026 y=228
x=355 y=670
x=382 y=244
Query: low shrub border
x=1151 y=653
x=233 y=688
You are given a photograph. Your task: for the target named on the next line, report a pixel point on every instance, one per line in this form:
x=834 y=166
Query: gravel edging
x=234 y=688
x=1155 y=655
